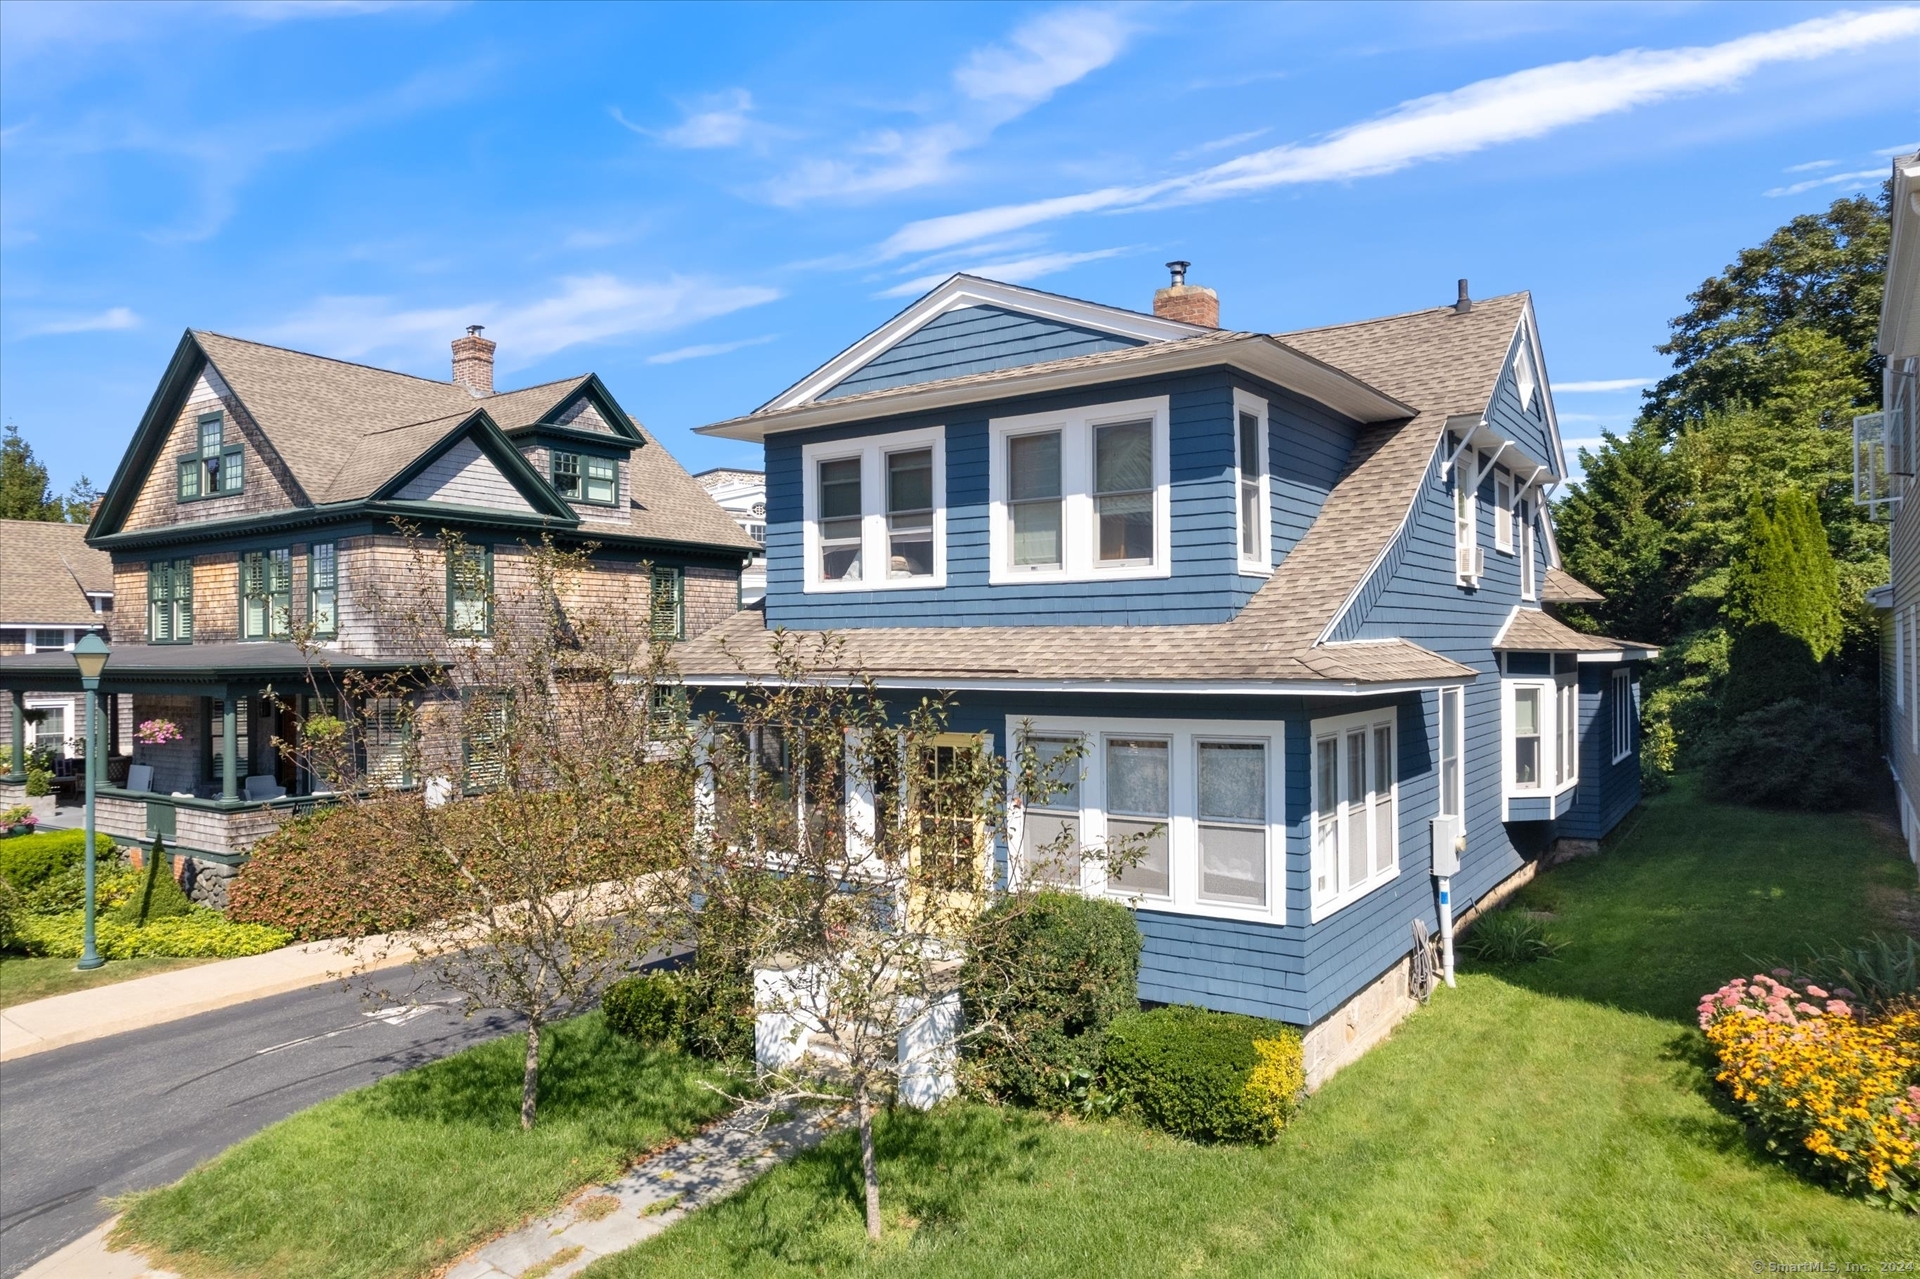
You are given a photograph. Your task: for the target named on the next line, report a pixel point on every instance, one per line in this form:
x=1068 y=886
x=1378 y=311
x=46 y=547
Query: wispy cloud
x=1902 y=149
x=1811 y=166
x=704 y=349
x=1864 y=177
x=1018 y=271
x=1524 y=105
x=1221 y=144
x=720 y=120
x=1604 y=384
x=580 y=309
x=118 y=317
x=997 y=84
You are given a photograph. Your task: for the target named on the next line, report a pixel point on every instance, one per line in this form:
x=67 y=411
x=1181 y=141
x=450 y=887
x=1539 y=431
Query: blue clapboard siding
x=1607 y=791
x=1308 y=446
x=974 y=339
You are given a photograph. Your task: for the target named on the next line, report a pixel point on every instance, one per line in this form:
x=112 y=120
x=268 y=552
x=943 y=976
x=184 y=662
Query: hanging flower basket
x=157 y=732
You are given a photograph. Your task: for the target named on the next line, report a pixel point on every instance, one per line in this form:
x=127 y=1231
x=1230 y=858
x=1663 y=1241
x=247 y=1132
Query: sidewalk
x=149 y=1001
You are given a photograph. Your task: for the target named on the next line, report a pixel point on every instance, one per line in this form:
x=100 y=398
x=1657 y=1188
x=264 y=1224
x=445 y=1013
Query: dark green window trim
x=170 y=602
x=584 y=478
x=666 y=604
x=216 y=468
x=484 y=716
x=266 y=594
x=323 y=589
x=470 y=592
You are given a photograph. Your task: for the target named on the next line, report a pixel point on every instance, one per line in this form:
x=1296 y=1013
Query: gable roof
x=46 y=572
x=1438 y=362
x=346 y=433
x=1529 y=630
x=1562 y=587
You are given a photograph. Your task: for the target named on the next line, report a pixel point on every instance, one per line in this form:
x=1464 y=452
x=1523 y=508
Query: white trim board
x=1199 y=686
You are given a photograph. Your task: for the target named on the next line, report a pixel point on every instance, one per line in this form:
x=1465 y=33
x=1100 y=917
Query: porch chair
x=140 y=777
x=263 y=786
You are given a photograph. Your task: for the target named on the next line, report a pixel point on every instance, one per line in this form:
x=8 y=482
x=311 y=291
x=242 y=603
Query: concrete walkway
x=600 y=1221
x=653 y=1195
x=148 y=1001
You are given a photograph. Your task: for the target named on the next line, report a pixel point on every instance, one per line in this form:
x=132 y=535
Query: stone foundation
x=1344 y=1035
x=206 y=882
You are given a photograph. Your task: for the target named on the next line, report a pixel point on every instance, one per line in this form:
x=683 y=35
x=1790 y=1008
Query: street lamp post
x=90 y=655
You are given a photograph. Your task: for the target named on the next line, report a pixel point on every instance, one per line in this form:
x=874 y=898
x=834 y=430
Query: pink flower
x=1816 y=992
x=1806 y=1009
x=1838 y=1008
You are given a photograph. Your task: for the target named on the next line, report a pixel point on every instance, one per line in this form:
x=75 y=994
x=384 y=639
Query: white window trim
x=1337 y=727
x=70 y=731
x=1623 y=717
x=1466 y=523
x=1261 y=564
x=1529 y=572
x=1550 y=787
x=32 y=633
x=872 y=450
x=1458 y=693
x=1504 y=509
x=1077 y=526
x=1526 y=380
x=1183 y=826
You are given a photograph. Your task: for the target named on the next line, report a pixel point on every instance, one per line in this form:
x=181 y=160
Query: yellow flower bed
x=1825 y=1084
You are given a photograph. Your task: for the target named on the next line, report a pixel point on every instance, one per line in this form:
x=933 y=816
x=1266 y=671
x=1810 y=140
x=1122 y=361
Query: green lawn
x=25 y=978
x=401 y=1177
x=1553 y=1119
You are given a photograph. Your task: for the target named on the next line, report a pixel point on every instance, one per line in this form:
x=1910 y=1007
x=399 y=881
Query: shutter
x=665 y=605
x=159 y=603
x=183 y=600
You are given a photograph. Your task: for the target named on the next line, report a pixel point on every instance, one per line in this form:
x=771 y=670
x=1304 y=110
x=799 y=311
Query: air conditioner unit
x=1471 y=563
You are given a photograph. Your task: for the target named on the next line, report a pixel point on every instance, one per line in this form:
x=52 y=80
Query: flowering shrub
x=19 y=815
x=157 y=732
x=1830 y=1088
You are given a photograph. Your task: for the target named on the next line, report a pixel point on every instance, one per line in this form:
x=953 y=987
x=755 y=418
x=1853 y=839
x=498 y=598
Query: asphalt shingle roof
x=1531 y=631
x=1438 y=361
x=46 y=570
x=1562 y=587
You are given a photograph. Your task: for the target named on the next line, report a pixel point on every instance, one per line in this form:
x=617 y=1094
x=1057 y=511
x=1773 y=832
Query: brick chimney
x=1188 y=303
x=473 y=362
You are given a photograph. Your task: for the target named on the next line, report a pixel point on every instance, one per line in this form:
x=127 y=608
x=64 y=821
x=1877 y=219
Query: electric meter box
x=1449 y=841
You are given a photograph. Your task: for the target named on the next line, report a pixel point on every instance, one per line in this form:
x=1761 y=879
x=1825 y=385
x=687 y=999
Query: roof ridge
x=330 y=359
x=1399 y=315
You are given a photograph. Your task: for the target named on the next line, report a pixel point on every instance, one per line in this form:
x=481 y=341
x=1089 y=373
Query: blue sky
x=702 y=204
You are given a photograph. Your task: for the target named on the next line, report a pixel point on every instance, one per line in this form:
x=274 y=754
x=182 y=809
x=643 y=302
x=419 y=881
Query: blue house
x=1289 y=592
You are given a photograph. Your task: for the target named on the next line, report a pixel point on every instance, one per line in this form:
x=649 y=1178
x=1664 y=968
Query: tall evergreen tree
x=26 y=494
x=1783 y=575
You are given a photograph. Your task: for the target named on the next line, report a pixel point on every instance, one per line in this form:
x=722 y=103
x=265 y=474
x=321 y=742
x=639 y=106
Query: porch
x=232 y=769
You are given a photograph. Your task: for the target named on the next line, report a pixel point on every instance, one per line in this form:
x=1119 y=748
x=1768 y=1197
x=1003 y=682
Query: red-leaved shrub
x=339 y=872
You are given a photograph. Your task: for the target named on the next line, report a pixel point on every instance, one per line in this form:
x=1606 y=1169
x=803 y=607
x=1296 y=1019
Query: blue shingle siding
x=1607 y=791
x=1307 y=444
x=974 y=339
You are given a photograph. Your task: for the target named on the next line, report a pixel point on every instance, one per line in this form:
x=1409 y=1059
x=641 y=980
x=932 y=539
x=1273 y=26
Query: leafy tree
x=1783 y=575
x=26 y=494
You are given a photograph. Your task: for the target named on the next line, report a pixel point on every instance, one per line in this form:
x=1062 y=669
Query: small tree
x=853 y=845
x=517 y=778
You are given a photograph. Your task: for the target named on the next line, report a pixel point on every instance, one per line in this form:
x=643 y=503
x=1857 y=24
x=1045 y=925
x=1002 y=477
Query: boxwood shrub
x=27 y=861
x=1203 y=1075
x=645 y=1008
x=1053 y=970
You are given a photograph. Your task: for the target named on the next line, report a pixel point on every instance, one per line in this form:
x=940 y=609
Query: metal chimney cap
x=1463 y=303
x=473 y=330
x=1179 y=270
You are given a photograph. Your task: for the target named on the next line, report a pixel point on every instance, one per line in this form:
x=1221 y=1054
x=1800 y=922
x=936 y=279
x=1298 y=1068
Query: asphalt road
x=82 y=1124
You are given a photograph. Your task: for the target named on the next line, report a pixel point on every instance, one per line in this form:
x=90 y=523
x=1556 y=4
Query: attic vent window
x=1524 y=379
x=216 y=467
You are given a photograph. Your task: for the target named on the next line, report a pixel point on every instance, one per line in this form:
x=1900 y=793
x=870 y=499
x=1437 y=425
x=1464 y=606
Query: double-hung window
x=875 y=515
x=1503 y=512
x=1183 y=816
x=1081 y=494
x=470 y=591
x=1452 y=749
x=170 y=602
x=323 y=589
x=1356 y=834
x=216 y=467
x=1252 y=493
x=1542 y=724
x=1529 y=734
x=1529 y=588
x=666 y=604
x=1623 y=714
x=1466 y=518
x=582 y=477
x=266 y=594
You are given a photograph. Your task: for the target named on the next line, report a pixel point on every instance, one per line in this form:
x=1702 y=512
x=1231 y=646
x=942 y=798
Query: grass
x=1553 y=1118
x=25 y=978
x=402 y=1177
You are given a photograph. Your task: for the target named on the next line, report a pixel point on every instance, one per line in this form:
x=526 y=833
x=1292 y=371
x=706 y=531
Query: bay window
x=1541 y=719
x=1190 y=810
x=1527 y=734
x=1081 y=494
x=875 y=512
x=1356 y=844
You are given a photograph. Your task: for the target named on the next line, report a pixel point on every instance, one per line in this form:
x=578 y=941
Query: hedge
x=1053 y=970
x=199 y=934
x=27 y=861
x=1204 y=1075
x=646 y=1008
x=336 y=872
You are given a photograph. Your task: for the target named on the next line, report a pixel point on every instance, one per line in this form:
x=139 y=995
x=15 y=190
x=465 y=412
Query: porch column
x=230 y=743
x=17 y=767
